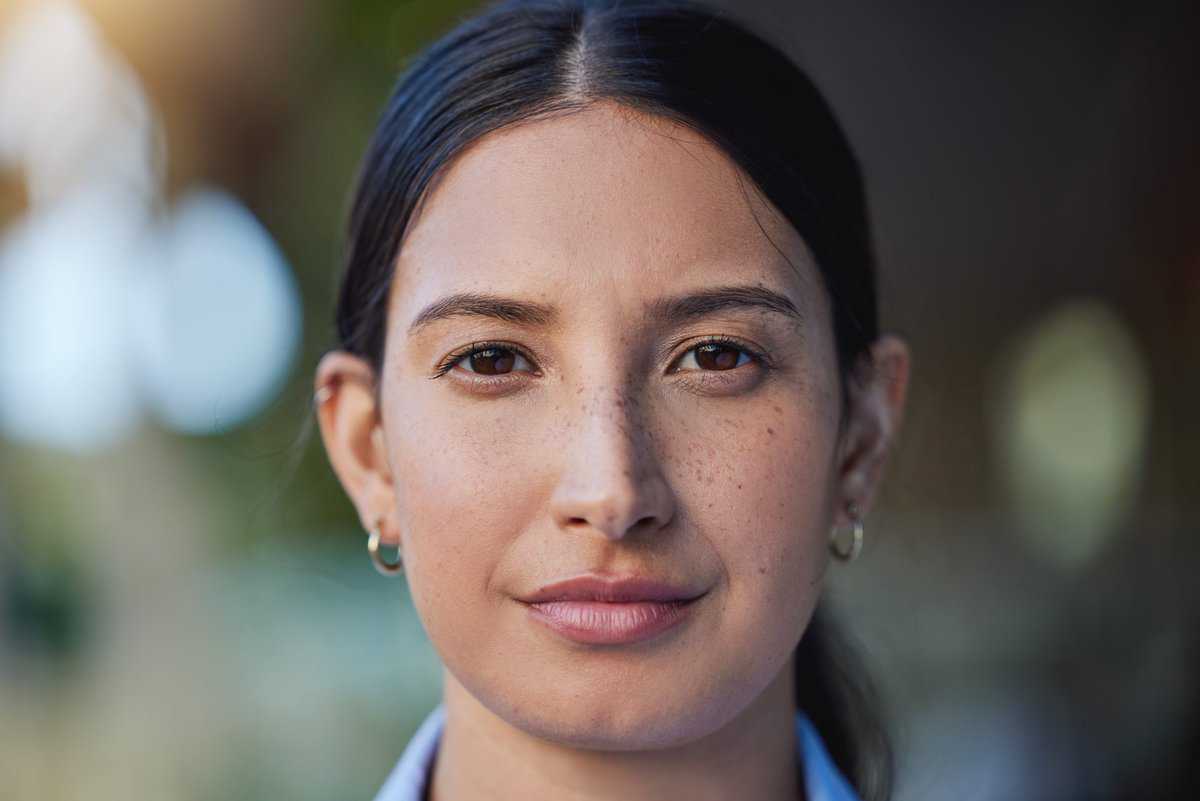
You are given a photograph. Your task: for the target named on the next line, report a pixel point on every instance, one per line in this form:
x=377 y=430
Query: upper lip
x=612 y=589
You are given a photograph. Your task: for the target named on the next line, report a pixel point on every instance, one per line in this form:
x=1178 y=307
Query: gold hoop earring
x=848 y=554
x=383 y=566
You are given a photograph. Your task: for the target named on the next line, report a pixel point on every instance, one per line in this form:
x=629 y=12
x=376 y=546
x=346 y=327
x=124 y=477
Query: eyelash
x=476 y=347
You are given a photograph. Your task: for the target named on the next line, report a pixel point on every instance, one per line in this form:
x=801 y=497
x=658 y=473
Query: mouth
x=596 y=610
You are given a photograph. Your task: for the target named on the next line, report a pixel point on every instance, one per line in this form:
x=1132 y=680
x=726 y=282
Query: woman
x=609 y=379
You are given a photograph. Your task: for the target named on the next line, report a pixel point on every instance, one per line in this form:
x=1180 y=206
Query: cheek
x=460 y=503
x=759 y=484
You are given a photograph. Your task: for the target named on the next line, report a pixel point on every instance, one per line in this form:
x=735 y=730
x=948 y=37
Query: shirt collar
x=822 y=779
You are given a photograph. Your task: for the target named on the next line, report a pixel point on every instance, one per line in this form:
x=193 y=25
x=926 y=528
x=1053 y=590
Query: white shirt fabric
x=822 y=780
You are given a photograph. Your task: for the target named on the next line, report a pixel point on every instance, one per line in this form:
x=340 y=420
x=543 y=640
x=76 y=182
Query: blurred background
x=186 y=607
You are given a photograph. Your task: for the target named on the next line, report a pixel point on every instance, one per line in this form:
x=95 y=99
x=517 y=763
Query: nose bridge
x=611 y=480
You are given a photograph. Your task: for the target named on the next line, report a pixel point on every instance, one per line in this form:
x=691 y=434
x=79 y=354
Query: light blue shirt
x=822 y=780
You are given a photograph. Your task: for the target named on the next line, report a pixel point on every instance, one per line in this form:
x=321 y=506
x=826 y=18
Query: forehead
x=607 y=199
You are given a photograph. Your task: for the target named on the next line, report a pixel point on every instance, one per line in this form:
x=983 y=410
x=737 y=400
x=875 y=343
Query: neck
x=482 y=757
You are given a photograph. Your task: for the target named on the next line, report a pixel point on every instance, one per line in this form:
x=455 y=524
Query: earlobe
x=877 y=396
x=352 y=432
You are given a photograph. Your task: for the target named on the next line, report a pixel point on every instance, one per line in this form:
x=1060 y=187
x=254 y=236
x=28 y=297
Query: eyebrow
x=709 y=301
x=666 y=311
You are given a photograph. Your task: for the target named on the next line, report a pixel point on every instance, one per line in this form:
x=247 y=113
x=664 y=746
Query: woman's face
x=600 y=434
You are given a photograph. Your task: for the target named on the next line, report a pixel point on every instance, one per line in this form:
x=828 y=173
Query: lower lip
x=603 y=623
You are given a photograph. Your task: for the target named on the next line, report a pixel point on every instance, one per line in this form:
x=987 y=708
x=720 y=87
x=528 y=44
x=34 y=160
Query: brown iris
x=492 y=361
x=717 y=356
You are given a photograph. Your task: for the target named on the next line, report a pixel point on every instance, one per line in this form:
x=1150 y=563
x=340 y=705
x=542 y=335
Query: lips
x=598 y=610
x=612 y=590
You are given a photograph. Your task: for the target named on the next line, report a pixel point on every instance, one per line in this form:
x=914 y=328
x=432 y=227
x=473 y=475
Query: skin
x=610 y=443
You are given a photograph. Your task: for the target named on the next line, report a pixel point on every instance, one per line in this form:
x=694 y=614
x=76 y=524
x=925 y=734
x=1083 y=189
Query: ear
x=878 y=389
x=352 y=429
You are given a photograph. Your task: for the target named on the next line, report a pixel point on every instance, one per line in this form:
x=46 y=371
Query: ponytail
x=836 y=694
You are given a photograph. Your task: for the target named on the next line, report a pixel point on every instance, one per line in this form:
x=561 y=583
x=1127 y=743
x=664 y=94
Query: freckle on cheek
x=770 y=431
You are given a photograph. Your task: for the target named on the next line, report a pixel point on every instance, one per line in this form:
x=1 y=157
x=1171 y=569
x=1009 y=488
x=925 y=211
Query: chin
x=604 y=720
x=600 y=731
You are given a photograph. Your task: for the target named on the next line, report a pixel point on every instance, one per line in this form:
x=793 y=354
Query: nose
x=611 y=480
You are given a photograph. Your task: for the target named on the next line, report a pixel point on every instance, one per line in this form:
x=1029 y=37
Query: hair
x=522 y=60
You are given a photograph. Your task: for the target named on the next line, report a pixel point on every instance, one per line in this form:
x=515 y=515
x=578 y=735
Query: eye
x=488 y=359
x=716 y=355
